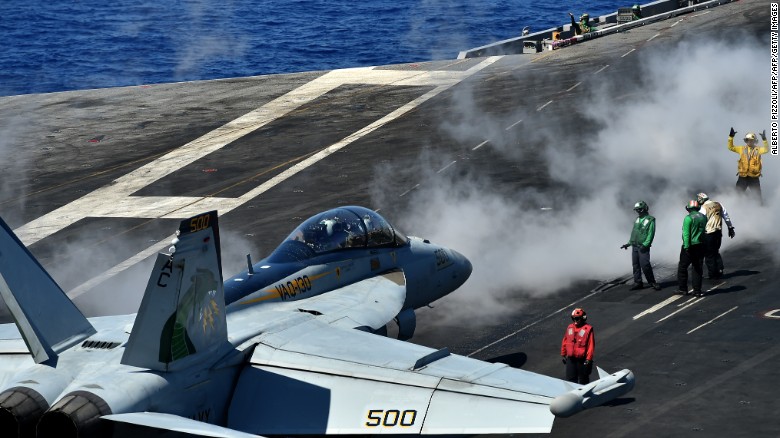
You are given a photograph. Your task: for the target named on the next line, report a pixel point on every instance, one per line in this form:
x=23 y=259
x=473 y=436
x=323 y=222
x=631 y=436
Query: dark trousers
x=693 y=256
x=712 y=258
x=576 y=371
x=752 y=183
x=640 y=258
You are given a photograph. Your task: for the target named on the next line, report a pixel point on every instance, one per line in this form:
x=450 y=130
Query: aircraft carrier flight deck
x=95 y=181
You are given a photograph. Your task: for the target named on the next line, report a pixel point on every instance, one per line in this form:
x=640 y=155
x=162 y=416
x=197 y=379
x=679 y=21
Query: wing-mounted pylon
x=47 y=319
x=182 y=314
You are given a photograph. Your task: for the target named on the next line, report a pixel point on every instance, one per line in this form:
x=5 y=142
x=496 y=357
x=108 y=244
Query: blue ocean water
x=69 y=45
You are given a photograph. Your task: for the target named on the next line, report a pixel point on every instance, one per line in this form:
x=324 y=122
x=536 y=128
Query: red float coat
x=578 y=342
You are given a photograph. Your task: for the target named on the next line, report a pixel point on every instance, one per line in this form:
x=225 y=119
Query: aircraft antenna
x=249 y=264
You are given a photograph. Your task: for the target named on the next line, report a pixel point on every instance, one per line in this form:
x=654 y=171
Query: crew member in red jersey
x=577 y=348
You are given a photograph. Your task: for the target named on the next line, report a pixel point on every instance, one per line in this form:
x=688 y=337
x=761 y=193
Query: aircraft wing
x=352 y=382
x=372 y=302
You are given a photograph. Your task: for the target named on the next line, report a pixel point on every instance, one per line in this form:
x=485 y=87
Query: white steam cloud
x=123 y=293
x=211 y=37
x=662 y=142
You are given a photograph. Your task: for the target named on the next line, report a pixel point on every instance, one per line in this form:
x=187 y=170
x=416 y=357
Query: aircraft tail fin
x=47 y=319
x=182 y=313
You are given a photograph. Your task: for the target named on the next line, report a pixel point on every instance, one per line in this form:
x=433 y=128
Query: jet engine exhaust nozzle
x=76 y=415
x=20 y=410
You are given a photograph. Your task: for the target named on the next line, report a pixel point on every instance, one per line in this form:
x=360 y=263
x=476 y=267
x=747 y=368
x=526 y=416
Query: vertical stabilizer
x=182 y=313
x=47 y=319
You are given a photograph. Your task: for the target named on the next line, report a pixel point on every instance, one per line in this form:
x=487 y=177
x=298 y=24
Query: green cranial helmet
x=641 y=207
x=585 y=17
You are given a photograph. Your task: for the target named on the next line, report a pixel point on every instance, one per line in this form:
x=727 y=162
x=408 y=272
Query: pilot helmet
x=327 y=226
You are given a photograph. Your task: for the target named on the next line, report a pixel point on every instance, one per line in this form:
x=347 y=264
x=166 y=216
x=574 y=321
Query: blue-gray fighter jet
x=344 y=246
x=283 y=358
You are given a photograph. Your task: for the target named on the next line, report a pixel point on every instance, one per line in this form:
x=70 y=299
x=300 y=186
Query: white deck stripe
x=542 y=107
x=653 y=37
x=574 y=86
x=513 y=125
x=713 y=319
x=114 y=200
x=689 y=300
x=708 y=290
x=101 y=202
x=445 y=167
x=601 y=69
x=716 y=286
x=627 y=53
x=205 y=204
x=404 y=193
x=480 y=145
x=658 y=306
x=697 y=300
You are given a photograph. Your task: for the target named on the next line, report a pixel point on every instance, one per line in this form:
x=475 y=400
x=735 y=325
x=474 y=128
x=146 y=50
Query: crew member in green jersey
x=692 y=251
x=583 y=26
x=641 y=238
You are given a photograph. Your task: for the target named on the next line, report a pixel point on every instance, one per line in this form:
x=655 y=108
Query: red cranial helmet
x=578 y=314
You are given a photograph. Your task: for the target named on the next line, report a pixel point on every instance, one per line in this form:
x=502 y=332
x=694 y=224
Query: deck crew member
x=713 y=235
x=749 y=164
x=636 y=12
x=641 y=238
x=692 y=250
x=577 y=348
x=583 y=26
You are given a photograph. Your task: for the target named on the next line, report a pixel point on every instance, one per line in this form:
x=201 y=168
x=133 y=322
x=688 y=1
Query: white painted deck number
x=391 y=418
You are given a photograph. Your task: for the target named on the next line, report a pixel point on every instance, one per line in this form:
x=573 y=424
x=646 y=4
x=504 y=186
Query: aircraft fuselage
x=431 y=271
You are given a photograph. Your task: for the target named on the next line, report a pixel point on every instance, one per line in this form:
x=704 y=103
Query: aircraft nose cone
x=464 y=267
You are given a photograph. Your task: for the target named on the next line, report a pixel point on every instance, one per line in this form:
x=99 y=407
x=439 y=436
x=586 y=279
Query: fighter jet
x=343 y=246
x=290 y=354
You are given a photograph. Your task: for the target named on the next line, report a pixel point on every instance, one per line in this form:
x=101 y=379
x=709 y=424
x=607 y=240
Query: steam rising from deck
x=660 y=137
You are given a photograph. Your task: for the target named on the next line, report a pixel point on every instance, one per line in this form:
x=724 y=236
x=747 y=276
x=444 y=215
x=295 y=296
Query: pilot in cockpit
x=333 y=234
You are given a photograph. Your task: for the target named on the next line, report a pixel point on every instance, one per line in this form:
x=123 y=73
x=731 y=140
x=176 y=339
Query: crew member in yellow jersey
x=749 y=164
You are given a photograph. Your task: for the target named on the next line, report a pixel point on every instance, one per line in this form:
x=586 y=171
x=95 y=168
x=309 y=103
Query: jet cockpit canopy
x=341 y=228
